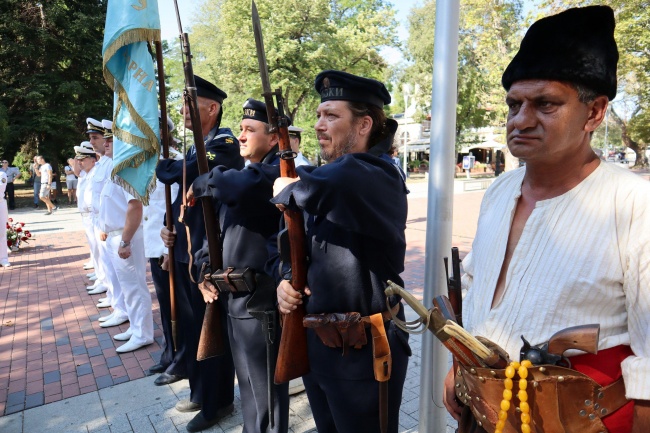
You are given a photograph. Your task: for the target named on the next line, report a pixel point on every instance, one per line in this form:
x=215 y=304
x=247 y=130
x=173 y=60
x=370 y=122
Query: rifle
x=211 y=341
x=169 y=222
x=454 y=289
x=292 y=359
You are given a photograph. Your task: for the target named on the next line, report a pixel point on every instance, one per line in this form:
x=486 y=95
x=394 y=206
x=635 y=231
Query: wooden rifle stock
x=292 y=359
x=211 y=341
x=169 y=222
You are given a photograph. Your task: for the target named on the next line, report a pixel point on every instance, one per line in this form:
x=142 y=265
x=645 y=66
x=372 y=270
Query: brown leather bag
x=338 y=329
x=561 y=400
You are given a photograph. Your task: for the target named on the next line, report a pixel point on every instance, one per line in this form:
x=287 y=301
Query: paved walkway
x=59 y=371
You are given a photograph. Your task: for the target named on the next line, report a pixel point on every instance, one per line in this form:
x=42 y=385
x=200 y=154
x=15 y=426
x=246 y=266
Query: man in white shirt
x=4 y=257
x=294 y=139
x=120 y=222
x=45 y=171
x=565 y=240
x=12 y=174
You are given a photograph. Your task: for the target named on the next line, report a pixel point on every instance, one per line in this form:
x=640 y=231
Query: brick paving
x=51 y=344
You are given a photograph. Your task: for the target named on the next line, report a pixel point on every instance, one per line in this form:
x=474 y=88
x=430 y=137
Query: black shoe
x=35 y=206
x=166 y=379
x=158 y=368
x=199 y=423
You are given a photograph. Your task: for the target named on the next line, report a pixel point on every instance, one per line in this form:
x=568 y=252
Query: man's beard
x=340 y=149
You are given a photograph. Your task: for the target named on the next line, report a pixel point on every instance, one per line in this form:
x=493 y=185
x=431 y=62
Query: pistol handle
x=582 y=337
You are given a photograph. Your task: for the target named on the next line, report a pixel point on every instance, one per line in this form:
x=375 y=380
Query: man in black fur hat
x=561 y=242
x=355 y=213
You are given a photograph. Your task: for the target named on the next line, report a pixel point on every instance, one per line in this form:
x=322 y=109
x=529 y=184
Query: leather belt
x=386 y=315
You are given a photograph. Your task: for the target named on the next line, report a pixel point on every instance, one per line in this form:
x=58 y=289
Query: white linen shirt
x=583 y=258
x=112 y=210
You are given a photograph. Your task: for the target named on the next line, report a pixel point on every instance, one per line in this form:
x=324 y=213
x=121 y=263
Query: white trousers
x=87 y=221
x=114 y=293
x=131 y=273
x=4 y=216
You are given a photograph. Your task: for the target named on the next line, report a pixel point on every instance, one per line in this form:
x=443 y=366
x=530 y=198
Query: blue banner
x=129 y=72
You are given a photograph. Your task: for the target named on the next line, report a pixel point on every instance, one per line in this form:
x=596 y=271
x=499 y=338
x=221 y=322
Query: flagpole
x=169 y=222
x=433 y=416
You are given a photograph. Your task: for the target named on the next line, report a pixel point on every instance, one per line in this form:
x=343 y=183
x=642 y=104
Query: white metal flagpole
x=432 y=417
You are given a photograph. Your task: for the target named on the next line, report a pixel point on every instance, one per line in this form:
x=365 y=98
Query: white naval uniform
x=4 y=215
x=86 y=219
x=101 y=178
x=131 y=272
x=153 y=220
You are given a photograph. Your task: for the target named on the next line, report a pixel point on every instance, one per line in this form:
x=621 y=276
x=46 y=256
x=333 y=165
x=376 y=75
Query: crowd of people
x=561 y=241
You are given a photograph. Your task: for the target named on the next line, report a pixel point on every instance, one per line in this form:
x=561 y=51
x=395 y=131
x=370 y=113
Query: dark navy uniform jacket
x=247 y=218
x=222 y=148
x=355 y=209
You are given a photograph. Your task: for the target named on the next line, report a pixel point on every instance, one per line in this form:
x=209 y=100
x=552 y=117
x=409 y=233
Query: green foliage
x=488 y=38
x=23 y=163
x=301 y=37
x=50 y=74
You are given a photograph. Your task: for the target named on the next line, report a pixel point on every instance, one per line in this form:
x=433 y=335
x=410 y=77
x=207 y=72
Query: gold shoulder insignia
x=211 y=156
x=230 y=140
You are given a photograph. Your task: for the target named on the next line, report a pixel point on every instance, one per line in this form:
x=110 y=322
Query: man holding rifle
x=355 y=213
x=563 y=241
x=212 y=380
x=247 y=220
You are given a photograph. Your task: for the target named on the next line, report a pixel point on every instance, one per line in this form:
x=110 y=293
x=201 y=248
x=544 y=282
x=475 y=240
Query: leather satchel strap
x=382 y=364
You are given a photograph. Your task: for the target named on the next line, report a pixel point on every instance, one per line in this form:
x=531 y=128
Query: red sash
x=605 y=368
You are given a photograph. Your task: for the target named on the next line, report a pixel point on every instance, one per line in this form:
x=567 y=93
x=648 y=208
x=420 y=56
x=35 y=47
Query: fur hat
x=576 y=46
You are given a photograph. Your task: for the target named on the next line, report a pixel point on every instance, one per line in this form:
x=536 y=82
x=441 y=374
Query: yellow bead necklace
x=522 y=370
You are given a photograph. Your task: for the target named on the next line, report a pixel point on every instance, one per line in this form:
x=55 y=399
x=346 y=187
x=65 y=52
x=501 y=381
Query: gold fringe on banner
x=129 y=37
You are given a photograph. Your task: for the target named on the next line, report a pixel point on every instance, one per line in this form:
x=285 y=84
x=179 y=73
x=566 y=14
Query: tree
x=302 y=38
x=488 y=37
x=631 y=108
x=50 y=75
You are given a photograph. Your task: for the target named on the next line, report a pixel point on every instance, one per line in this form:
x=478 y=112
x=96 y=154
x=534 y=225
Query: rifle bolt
x=560 y=378
x=587 y=402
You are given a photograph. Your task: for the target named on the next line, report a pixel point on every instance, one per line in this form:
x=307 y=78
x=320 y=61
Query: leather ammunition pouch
x=344 y=329
x=560 y=399
x=338 y=329
x=233 y=280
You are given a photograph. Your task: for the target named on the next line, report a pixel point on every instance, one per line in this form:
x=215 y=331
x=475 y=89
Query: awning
x=415 y=148
x=486 y=145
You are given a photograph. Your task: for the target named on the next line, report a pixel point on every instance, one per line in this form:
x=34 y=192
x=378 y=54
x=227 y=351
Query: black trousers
x=352 y=406
x=9 y=195
x=172 y=358
x=212 y=381
x=249 y=351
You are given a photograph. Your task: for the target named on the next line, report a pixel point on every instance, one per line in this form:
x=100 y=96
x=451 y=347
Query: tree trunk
x=627 y=140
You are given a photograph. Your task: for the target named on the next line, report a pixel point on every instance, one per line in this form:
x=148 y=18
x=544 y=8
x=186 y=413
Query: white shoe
x=93 y=286
x=92 y=274
x=124 y=336
x=102 y=299
x=114 y=321
x=5 y=264
x=98 y=290
x=105 y=318
x=93 y=278
x=296 y=386
x=130 y=346
x=104 y=304
x=88 y=265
